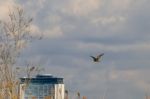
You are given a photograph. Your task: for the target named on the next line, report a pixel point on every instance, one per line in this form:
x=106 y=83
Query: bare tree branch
x=15 y=33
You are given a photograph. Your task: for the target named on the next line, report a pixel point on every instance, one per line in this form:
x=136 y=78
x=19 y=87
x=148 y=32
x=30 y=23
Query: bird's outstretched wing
x=93 y=57
x=100 y=55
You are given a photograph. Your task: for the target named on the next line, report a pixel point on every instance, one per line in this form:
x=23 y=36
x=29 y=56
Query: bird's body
x=97 y=59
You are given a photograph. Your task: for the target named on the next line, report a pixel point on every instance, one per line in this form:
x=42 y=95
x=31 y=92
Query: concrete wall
x=59 y=91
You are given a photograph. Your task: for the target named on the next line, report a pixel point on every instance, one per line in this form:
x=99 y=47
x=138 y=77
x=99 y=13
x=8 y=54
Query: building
x=43 y=86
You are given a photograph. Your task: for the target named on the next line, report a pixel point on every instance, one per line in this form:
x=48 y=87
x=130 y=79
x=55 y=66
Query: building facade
x=42 y=87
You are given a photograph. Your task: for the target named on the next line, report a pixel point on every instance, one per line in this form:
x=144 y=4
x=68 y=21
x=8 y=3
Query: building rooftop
x=43 y=79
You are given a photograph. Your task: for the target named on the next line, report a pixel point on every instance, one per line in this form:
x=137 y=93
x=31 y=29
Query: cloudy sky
x=76 y=29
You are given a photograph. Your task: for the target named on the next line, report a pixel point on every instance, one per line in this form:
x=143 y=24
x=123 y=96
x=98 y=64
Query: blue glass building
x=42 y=86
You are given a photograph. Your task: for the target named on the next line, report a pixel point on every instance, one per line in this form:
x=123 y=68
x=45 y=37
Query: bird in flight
x=97 y=58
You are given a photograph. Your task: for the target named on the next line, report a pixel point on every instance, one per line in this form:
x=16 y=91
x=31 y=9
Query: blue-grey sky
x=75 y=29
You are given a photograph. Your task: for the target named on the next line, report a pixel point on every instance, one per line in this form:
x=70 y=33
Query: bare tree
x=15 y=33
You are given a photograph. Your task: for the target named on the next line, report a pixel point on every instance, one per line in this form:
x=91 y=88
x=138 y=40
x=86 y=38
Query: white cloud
x=35 y=30
x=41 y=3
x=54 y=32
x=81 y=7
x=135 y=77
x=142 y=46
x=121 y=4
x=54 y=19
x=108 y=20
x=5 y=6
x=32 y=7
